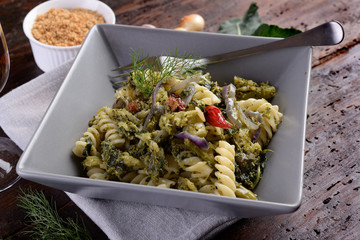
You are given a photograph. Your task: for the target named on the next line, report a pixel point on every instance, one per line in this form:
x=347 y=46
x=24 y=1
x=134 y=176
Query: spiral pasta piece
x=200 y=170
x=96 y=173
x=128 y=177
x=225 y=166
x=109 y=127
x=144 y=179
x=205 y=95
x=208 y=188
x=89 y=143
x=95 y=167
x=102 y=128
x=126 y=94
x=177 y=85
x=197 y=129
x=271 y=117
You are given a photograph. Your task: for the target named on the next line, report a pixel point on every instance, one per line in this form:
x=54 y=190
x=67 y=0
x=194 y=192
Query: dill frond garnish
x=44 y=220
x=148 y=71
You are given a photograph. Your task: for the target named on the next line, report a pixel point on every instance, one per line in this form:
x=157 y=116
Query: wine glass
x=9 y=151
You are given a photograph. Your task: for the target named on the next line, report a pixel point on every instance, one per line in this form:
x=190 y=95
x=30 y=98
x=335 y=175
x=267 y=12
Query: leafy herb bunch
x=149 y=71
x=45 y=222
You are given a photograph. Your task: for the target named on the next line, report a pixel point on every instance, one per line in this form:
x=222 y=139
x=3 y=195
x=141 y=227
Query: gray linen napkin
x=21 y=112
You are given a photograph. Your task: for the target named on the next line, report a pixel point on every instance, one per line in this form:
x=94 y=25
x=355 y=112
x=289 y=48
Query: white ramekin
x=47 y=56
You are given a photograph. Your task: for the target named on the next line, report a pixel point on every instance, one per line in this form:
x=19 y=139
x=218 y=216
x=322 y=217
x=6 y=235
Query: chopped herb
x=118 y=162
x=87 y=149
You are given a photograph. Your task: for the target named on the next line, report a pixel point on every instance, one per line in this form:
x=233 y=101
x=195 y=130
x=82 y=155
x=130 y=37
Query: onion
x=245 y=119
x=183 y=84
x=180 y=29
x=192 y=90
x=151 y=113
x=254 y=114
x=148 y=117
x=198 y=141
x=225 y=90
x=119 y=103
x=256 y=135
x=192 y=22
x=159 y=110
x=155 y=92
x=228 y=93
x=232 y=91
x=148 y=26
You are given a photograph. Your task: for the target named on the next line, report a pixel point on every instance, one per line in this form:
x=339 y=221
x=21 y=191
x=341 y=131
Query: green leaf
x=242 y=26
x=231 y=26
x=251 y=20
x=266 y=30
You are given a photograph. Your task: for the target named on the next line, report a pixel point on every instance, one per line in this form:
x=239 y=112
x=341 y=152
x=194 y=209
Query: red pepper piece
x=214 y=117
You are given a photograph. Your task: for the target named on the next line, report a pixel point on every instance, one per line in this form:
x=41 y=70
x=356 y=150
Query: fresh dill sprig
x=44 y=220
x=148 y=71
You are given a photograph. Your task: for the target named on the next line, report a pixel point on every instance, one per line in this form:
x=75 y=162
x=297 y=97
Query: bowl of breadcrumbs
x=56 y=29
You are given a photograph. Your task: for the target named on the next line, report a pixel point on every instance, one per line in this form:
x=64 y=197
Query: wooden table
x=331 y=199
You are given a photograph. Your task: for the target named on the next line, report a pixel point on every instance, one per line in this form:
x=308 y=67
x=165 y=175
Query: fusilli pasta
x=225 y=166
x=89 y=143
x=190 y=134
x=271 y=117
x=109 y=127
x=95 y=167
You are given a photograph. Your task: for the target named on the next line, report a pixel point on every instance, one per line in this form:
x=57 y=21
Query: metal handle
x=330 y=33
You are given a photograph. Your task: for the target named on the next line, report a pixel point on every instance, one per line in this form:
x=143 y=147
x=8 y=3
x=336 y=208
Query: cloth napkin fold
x=21 y=112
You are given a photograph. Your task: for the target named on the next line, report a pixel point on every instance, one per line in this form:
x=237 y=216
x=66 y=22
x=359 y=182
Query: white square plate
x=48 y=157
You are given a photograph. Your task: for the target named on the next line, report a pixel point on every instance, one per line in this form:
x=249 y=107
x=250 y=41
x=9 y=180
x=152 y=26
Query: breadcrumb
x=65 y=27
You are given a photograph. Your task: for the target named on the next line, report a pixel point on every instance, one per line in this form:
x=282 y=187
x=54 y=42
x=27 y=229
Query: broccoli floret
x=154 y=160
x=249 y=159
x=248 y=171
x=246 y=89
x=117 y=161
x=149 y=152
